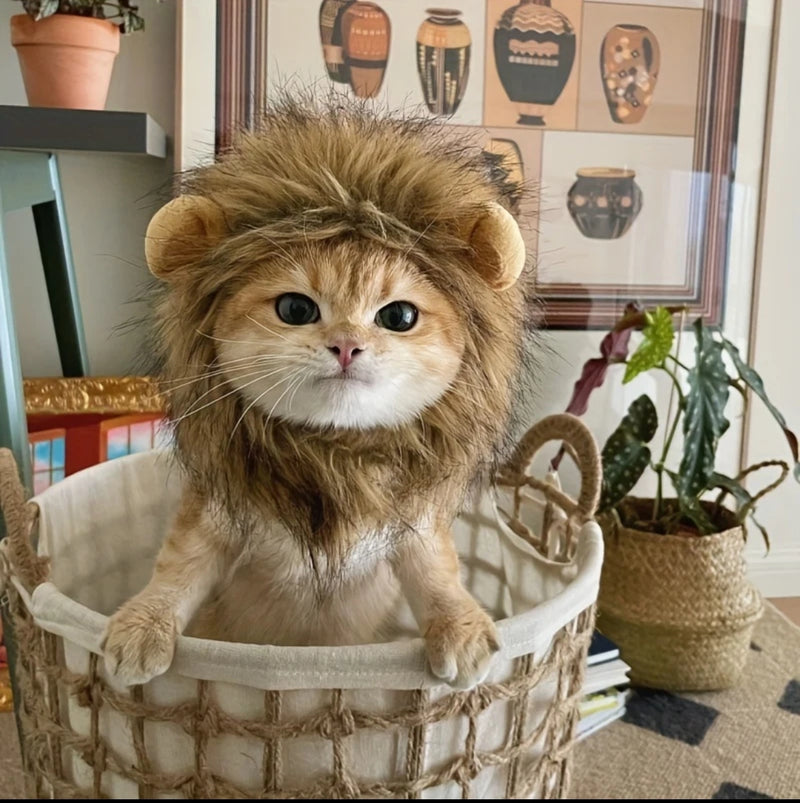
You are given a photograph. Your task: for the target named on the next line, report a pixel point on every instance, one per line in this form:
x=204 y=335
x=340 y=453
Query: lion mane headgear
x=314 y=171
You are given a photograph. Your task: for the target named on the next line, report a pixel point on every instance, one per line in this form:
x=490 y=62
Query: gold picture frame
x=92 y=394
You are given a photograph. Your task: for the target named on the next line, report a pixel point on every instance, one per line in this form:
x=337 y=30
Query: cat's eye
x=399 y=316
x=296 y=309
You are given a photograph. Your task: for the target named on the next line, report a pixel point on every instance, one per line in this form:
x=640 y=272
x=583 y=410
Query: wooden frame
x=243 y=64
x=714 y=162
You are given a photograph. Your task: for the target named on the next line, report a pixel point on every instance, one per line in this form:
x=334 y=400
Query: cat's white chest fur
x=275 y=594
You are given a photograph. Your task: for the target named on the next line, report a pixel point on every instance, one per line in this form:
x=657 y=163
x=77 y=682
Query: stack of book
x=605 y=686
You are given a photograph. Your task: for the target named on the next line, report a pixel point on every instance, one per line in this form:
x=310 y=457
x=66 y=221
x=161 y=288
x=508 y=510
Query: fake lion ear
x=179 y=232
x=499 y=249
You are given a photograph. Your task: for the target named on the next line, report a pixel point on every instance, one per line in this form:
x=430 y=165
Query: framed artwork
x=621 y=115
x=77 y=423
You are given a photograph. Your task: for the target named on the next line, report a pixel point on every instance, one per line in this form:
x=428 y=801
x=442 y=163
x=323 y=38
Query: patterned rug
x=733 y=745
x=738 y=744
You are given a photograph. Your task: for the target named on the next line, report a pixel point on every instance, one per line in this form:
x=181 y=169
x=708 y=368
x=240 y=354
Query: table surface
x=39 y=129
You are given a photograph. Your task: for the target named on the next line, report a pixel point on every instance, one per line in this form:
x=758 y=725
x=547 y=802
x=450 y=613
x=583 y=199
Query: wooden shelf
x=38 y=129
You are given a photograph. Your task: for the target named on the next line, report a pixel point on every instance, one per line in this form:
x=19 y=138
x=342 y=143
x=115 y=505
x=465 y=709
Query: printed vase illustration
x=366 y=32
x=629 y=61
x=604 y=201
x=534 y=49
x=330 y=32
x=505 y=163
x=443 y=48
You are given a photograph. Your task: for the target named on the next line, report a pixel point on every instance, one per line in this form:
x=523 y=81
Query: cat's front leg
x=460 y=637
x=139 y=642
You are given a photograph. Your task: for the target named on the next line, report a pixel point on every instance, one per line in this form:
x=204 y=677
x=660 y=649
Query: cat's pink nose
x=345 y=351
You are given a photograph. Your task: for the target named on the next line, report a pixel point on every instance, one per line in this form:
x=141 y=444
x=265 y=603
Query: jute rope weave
x=680 y=607
x=535 y=754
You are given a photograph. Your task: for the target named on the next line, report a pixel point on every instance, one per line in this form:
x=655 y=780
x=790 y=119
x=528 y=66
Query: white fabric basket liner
x=102 y=529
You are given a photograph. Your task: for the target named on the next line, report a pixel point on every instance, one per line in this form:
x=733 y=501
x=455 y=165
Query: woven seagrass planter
x=237 y=720
x=680 y=607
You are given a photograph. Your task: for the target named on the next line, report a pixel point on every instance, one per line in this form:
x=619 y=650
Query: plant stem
x=671 y=430
x=677 y=361
x=675 y=381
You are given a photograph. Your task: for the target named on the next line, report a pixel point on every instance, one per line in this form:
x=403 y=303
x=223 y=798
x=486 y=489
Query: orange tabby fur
x=311 y=504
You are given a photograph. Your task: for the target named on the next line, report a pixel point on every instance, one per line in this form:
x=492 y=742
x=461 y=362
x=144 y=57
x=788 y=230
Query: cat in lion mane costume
x=341 y=329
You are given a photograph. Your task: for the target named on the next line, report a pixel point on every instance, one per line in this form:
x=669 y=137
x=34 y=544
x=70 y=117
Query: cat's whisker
x=232 y=373
x=192 y=411
x=185 y=381
x=228 y=340
x=294 y=392
x=280 y=397
x=215 y=368
x=296 y=385
x=260 y=396
x=215 y=363
x=266 y=329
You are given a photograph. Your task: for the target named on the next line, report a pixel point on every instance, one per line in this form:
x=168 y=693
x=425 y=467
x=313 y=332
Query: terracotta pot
x=680 y=607
x=66 y=60
x=604 y=201
x=330 y=33
x=366 y=33
x=629 y=62
x=443 y=50
x=534 y=49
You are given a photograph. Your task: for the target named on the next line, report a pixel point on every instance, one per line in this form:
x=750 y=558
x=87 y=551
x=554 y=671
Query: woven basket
x=680 y=607
x=237 y=720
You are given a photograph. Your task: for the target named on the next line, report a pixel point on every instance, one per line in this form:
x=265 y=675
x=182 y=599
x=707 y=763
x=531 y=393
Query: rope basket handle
x=580 y=445
x=781 y=464
x=19 y=516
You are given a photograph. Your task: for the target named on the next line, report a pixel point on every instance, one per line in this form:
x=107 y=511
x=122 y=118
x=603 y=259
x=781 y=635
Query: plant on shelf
x=674 y=592
x=122 y=10
x=67 y=48
x=697 y=408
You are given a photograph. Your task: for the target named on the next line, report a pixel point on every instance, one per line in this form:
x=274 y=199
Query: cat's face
x=341 y=336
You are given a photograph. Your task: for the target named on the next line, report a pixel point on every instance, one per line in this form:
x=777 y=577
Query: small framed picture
x=77 y=423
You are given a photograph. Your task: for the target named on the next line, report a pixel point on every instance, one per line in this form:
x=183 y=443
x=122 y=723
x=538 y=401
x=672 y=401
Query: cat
x=342 y=329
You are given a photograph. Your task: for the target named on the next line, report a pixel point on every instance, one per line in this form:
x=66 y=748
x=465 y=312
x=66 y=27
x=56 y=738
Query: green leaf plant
x=700 y=392
x=123 y=10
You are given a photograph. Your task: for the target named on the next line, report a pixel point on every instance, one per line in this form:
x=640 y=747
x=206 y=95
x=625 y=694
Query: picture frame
x=77 y=422
x=687 y=173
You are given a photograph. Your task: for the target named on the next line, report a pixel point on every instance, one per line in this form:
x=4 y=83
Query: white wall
x=196 y=82
x=775 y=334
x=107 y=206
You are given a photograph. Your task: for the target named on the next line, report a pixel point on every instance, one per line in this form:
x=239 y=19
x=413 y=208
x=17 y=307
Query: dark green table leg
x=13 y=427
x=59 y=274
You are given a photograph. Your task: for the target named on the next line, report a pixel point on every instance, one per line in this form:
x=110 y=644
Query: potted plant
x=673 y=592
x=66 y=49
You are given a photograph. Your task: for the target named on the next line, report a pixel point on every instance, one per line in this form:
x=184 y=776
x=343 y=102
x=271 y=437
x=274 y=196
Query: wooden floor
x=789 y=607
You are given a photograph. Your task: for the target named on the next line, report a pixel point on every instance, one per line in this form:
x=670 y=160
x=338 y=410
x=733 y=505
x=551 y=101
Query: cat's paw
x=460 y=648
x=139 y=642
